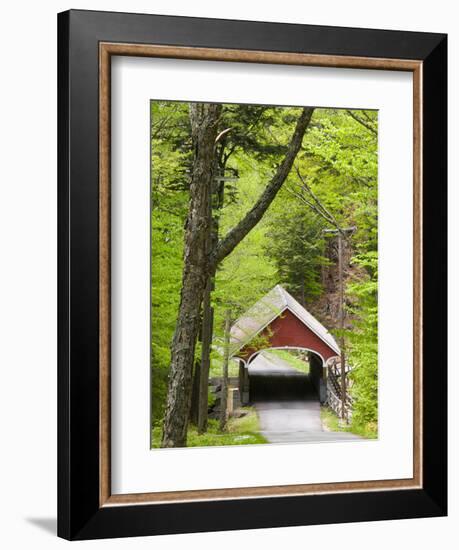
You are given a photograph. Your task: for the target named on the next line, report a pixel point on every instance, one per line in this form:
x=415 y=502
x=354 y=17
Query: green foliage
x=295 y=243
x=166 y=267
x=216 y=365
x=247 y=273
x=341 y=167
x=363 y=344
x=240 y=431
x=168 y=214
x=211 y=399
x=333 y=424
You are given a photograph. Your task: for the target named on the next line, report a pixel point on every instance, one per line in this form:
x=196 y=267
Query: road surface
x=286 y=403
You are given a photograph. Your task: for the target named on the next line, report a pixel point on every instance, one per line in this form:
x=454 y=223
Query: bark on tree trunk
x=204 y=120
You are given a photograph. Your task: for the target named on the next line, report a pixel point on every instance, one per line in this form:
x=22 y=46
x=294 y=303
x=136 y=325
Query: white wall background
x=28 y=269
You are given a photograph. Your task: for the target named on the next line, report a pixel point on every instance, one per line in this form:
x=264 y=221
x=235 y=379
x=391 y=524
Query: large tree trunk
x=204 y=120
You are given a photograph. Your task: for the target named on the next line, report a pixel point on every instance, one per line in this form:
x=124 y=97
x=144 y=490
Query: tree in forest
x=198 y=263
x=296 y=246
x=363 y=341
x=204 y=124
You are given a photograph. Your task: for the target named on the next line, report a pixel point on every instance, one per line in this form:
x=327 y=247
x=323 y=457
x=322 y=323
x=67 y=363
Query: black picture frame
x=80 y=515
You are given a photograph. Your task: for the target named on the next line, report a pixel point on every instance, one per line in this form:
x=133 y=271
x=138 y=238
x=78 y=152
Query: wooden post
x=243 y=384
x=340 y=232
x=207 y=325
x=194 y=408
x=224 y=389
x=341 y=318
x=241 y=379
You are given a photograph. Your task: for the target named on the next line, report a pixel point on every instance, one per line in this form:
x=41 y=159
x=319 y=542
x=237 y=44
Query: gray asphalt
x=286 y=404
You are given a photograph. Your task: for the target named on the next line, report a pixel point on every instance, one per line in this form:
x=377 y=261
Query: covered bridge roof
x=268 y=308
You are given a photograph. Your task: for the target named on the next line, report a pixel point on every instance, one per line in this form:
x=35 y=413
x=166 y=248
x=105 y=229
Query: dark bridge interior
x=266 y=386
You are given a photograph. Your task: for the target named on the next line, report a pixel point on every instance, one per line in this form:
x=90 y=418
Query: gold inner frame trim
x=106 y=51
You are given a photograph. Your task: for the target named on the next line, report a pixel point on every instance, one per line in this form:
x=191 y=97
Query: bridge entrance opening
x=285 y=375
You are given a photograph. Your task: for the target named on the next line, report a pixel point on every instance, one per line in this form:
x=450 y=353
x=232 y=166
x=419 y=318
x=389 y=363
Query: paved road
x=287 y=404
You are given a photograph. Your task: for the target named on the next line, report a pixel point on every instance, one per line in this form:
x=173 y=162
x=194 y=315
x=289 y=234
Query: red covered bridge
x=279 y=321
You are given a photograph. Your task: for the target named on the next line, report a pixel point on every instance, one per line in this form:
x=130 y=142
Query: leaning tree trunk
x=204 y=120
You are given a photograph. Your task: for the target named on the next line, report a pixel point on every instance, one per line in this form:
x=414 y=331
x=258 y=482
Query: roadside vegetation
x=239 y=431
x=332 y=423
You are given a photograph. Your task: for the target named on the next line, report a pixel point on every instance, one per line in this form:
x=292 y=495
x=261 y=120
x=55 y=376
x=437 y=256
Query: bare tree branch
x=328 y=215
x=362 y=122
x=317 y=205
x=309 y=204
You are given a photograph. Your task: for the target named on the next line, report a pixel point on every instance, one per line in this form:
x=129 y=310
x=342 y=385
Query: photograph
x=264 y=274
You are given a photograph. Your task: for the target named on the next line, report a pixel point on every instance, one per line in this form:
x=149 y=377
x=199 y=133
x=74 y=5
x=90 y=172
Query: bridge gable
x=287 y=330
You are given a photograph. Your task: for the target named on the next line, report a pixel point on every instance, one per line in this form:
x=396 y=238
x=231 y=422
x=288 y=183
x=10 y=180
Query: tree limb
x=235 y=235
x=311 y=205
x=221 y=134
x=325 y=212
x=362 y=122
x=316 y=206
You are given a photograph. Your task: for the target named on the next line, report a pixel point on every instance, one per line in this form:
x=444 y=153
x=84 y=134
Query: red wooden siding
x=288 y=330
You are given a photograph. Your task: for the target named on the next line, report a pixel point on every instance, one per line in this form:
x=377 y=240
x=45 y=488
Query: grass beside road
x=240 y=431
x=332 y=423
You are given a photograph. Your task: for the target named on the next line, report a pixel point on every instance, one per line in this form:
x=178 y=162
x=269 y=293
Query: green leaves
x=363 y=344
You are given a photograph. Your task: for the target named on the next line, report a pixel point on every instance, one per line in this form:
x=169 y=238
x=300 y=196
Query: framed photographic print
x=252 y=274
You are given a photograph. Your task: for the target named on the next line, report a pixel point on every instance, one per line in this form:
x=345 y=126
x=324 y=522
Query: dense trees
x=264 y=233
